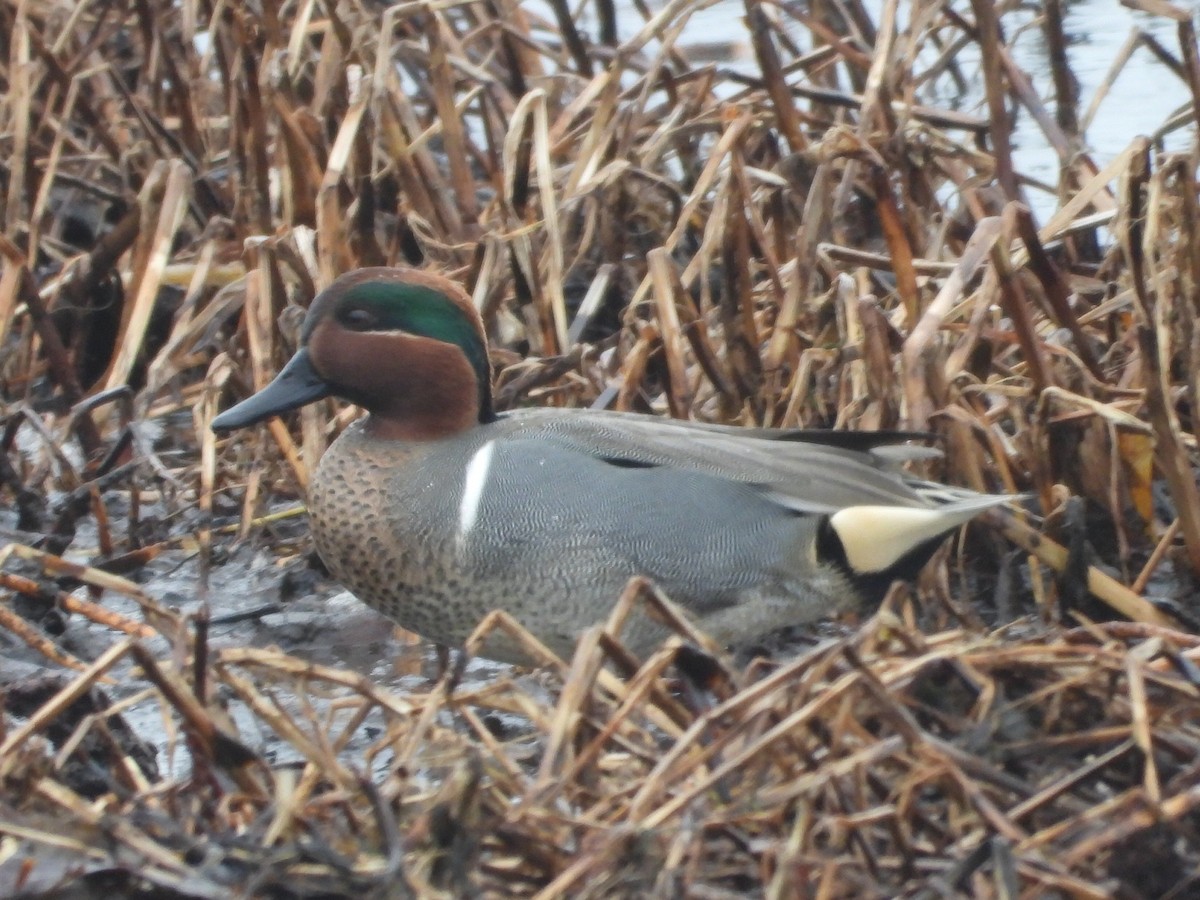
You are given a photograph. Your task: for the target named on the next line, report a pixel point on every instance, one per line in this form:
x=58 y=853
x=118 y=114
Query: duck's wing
x=801 y=473
x=532 y=503
x=576 y=499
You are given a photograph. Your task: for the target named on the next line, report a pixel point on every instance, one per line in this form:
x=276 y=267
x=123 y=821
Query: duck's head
x=405 y=345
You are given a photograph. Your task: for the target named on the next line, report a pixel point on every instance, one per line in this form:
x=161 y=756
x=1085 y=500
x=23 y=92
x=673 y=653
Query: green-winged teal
x=435 y=509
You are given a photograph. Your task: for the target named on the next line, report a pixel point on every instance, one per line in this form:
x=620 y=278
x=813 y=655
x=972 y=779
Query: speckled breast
x=382 y=516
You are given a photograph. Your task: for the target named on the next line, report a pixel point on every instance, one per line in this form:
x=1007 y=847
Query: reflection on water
x=1142 y=99
x=1144 y=96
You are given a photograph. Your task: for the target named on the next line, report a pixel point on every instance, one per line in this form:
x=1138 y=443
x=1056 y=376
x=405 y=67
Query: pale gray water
x=1141 y=101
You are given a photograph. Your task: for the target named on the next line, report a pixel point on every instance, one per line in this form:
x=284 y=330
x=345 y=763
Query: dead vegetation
x=816 y=244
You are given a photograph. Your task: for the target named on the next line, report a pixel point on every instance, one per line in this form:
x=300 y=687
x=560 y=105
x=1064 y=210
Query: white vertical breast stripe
x=473 y=486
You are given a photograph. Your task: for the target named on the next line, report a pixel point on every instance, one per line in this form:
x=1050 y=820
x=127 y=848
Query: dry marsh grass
x=818 y=244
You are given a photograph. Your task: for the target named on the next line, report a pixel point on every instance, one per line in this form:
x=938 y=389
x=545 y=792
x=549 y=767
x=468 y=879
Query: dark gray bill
x=296 y=384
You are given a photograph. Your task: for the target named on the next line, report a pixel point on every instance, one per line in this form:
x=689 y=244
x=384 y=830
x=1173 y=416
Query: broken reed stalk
x=1154 y=339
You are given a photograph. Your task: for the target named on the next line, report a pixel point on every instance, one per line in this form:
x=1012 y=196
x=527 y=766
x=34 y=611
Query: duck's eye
x=358 y=319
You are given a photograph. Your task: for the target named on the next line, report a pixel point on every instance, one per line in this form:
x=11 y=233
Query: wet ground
x=256 y=597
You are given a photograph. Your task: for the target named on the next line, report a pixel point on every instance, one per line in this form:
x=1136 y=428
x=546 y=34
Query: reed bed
x=810 y=240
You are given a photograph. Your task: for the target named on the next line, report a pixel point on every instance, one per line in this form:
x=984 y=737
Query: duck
x=436 y=508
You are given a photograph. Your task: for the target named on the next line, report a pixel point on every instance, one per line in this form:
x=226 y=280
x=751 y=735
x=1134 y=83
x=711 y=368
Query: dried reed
x=812 y=244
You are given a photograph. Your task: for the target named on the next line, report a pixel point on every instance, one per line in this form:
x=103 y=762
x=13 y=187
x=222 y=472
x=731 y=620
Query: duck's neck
x=415 y=388
x=444 y=400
